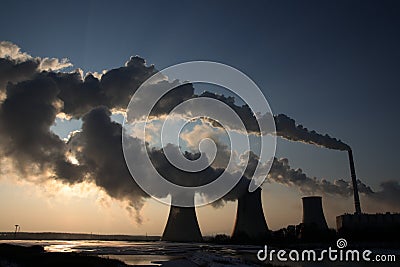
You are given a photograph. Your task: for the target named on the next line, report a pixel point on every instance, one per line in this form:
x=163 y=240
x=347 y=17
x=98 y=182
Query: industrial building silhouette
x=250 y=220
x=313 y=213
x=182 y=225
x=251 y=225
x=378 y=226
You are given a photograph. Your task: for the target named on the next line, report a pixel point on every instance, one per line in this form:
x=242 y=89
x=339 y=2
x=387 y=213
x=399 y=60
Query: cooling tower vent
x=182 y=225
x=313 y=213
x=250 y=221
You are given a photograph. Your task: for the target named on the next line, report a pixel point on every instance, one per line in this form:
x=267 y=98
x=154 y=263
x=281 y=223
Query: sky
x=331 y=65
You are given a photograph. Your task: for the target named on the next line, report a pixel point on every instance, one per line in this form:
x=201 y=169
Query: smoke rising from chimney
x=282 y=173
x=288 y=129
x=32 y=94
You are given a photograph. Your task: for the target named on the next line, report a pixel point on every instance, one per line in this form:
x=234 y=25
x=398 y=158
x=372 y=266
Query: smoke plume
x=34 y=91
x=16 y=66
x=115 y=88
x=282 y=173
x=287 y=128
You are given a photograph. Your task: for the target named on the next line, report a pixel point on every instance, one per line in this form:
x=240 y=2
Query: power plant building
x=363 y=222
x=370 y=227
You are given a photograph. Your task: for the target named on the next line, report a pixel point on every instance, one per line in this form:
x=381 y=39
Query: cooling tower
x=182 y=225
x=313 y=213
x=354 y=181
x=250 y=221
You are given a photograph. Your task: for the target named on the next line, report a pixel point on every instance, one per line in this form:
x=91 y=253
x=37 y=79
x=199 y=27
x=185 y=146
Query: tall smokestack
x=354 y=181
x=250 y=221
x=182 y=225
x=313 y=213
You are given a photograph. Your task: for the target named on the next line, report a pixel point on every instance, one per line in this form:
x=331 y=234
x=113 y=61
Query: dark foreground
x=12 y=255
x=165 y=254
x=26 y=256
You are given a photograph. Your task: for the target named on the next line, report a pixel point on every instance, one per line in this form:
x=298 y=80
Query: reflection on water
x=155 y=252
x=141 y=259
x=132 y=248
x=132 y=253
x=139 y=253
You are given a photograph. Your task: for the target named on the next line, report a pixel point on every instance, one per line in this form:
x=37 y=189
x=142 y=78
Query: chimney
x=182 y=225
x=354 y=181
x=313 y=213
x=250 y=221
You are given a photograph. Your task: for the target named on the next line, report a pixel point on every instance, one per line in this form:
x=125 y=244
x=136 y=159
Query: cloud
x=17 y=66
x=282 y=173
x=98 y=148
x=32 y=94
x=389 y=194
x=14 y=72
x=115 y=88
x=53 y=64
x=25 y=119
x=12 y=51
x=203 y=131
x=288 y=129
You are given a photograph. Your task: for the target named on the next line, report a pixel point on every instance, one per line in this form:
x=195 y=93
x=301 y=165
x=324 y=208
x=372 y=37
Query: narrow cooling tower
x=182 y=225
x=250 y=221
x=313 y=213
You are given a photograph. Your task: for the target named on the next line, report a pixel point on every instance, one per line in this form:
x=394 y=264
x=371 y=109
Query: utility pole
x=17 y=228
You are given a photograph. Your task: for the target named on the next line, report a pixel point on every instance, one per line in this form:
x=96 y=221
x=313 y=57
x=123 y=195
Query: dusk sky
x=333 y=66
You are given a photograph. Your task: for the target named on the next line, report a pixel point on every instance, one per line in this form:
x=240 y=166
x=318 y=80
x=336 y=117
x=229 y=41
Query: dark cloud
x=16 y=66
x=288 y=129
x=389 y=194
x=32 y=100
x=79 y=95
x=12 y=71
x=114 y=89
x=173 y=98
x=98 y=148
x=181 y=177
x=25 y=119
x=282 y=173
x=119 y=85
x=33 y=95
